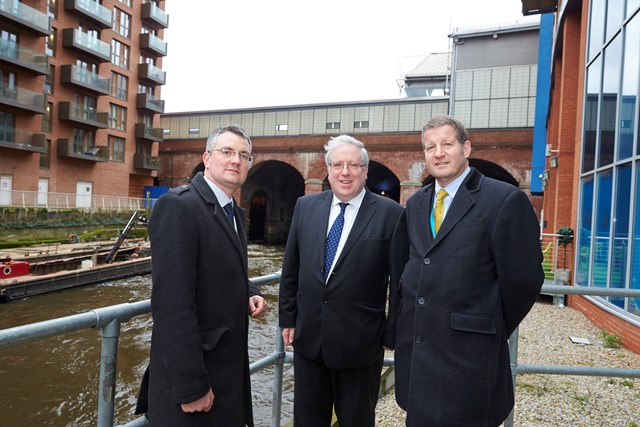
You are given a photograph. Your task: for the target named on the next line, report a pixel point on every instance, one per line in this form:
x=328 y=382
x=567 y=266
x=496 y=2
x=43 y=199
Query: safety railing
x=109 y=319
x=48 y=200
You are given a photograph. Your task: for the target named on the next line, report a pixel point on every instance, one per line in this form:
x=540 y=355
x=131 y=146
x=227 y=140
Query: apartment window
x=117 y=117
x=282 y=127
x=7 y=127
x=116 y=148
x=85 y=107
x=46 y=118
x=147 y=60
x=52 y=9
x=49 y=79
x=119 y=85
x=125 y=2
x=122 y=23
x=50 y=46
x=361 y=124
x=120 y=54
x=333 y=125
x=8 y=85
x=45 y=158
x=83 y=140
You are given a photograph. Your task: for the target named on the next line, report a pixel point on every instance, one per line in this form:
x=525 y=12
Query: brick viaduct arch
x=286 y=168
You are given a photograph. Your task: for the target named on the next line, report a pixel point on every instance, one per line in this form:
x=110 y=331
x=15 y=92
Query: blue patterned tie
x=333 y=238
x=228 y=208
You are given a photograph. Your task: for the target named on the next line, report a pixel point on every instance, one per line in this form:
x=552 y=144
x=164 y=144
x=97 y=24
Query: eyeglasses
x=338 y=167
x=227 y=154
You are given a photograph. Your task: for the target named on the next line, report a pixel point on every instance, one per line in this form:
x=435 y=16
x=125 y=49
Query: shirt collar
x=454 y=185
x=356 y=201
x=223 y=199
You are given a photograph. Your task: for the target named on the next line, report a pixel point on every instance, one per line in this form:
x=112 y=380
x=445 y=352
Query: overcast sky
x=227 y=54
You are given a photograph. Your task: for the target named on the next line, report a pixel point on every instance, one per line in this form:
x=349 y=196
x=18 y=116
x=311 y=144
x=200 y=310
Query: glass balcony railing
x=92 y=9
x=149 y=102
x=23 y=140
x=153 y=43
x=26 y=16
x=146 y=132
x=151 y=12
x=73 y=74
x=79 y=114
x=152 y=73
x=88 y=43
x=67 y=148
x=144 y=161
x=12 y=52
x=22 y=98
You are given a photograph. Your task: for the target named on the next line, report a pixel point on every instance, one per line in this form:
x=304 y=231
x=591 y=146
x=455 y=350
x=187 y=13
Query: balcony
x=89 y=117
x=153 y=44
x=151 y=73
x=83 y=42
x=24 y=99
x=25 y=16
x=27 y=59
x=155 y=16
x=71 y=74
x=67 y=149
x=145 y=101
x=147 y=133
x=143 y=161
x=92 y=10
x=21 y=140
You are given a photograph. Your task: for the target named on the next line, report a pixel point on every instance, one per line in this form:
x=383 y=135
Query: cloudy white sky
x=227 y=54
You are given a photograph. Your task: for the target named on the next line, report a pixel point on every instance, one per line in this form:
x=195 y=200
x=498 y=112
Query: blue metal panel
x=538 y=158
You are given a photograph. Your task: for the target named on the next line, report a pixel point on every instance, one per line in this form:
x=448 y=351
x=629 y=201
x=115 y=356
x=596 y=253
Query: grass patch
x=610 y=340
x=532 y=388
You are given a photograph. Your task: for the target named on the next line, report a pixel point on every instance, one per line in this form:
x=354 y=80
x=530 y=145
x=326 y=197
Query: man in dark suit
x=333 y=295
x=474 y=272
x=201 y=298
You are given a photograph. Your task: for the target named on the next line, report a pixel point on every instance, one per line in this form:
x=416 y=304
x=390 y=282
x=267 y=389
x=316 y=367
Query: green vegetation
x=627 y=383
x=532 y=388
x=610 y=340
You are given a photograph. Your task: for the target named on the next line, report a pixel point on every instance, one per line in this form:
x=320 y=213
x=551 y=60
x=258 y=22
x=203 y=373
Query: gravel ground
x=557 y=400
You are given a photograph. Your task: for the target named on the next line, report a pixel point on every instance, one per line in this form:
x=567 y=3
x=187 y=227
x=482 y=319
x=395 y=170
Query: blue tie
x=228 y=208
x=333 y=238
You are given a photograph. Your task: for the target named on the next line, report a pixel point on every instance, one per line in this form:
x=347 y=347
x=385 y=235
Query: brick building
x=79 y=98
x=592 y=162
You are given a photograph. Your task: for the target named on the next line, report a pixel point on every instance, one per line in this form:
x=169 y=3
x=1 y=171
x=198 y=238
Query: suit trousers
x=353 y=392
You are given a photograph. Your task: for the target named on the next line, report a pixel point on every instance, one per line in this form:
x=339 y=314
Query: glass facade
x=608 y=235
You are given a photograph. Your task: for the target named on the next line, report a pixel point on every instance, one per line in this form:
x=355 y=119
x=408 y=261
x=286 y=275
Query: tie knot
x=228 y=208
x=441 y=194
x=343 y=206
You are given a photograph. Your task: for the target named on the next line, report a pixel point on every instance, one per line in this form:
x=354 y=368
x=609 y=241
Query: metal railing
x=48 y=200
x=109 y=319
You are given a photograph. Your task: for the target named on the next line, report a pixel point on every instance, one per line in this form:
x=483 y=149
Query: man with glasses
x=201 y=298
x=340 y=255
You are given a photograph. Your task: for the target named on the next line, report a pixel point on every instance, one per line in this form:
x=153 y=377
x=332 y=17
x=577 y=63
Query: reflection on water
x=54 y=382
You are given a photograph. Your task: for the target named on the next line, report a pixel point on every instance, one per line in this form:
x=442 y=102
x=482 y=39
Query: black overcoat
x=463 y=294
x=346 y=318
x=199 y=305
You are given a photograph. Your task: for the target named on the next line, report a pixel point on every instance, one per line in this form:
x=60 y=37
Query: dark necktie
x=333 y=238
x=228 y=208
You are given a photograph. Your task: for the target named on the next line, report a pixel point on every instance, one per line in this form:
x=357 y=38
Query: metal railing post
x=513 y=357
x=108 y=364
x=278 y=372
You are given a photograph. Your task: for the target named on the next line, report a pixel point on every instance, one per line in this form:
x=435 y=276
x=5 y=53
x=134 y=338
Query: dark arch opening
x=487 y=168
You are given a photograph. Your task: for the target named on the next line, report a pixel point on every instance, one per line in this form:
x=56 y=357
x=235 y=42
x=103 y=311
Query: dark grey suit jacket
x=199 y=304
x=346 y=317
x=463 y=294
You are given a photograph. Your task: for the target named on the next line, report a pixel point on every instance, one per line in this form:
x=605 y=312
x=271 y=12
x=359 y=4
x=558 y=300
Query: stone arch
x=270 y=193
x=487 y=168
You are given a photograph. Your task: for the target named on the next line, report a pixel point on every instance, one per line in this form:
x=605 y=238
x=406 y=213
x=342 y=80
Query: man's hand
x=257 y=306
x=203 y=404
x=287 y=335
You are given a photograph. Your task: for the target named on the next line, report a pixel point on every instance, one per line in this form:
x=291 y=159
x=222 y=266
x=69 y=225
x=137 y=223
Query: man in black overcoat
x=464 y=289
x=332 y=309
x=201 y=299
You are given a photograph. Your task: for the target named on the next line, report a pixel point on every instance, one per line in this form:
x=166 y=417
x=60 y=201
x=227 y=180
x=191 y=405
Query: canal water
x=54 y=382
